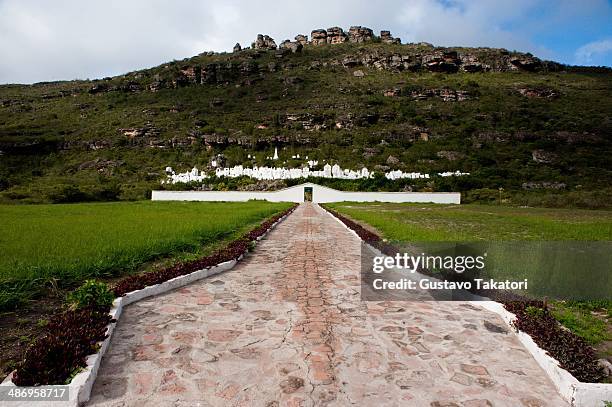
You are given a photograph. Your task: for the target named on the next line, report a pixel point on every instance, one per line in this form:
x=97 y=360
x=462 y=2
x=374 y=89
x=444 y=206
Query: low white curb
x=575 y=392
x=80 y=387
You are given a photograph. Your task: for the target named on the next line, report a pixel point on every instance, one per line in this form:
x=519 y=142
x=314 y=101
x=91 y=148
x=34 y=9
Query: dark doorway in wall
x=307 y=194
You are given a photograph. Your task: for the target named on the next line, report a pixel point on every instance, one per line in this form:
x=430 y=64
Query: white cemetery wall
x=320 y=195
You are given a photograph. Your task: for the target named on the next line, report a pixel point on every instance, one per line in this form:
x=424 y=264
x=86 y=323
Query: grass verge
x=59 y=246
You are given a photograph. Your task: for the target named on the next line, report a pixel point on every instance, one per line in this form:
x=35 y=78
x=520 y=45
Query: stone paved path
x=286 y=327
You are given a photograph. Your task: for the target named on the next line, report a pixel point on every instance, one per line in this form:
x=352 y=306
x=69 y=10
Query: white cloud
x=593 y=51
x=64 y=39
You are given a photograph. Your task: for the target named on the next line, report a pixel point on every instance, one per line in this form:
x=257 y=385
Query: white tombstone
x=327 y=171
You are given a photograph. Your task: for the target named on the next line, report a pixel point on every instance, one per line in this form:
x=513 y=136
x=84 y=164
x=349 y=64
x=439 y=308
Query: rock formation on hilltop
x=302 y=39
x=360 y=34
x=245 y=70
x=264 y=42
x=333 y=35
x=319 y=37
x=336 y=35
x=387 y=38
x=293 y=46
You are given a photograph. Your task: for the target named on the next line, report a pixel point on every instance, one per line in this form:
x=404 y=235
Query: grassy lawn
x=429 y=222
x=62 y=245
x=591 y=320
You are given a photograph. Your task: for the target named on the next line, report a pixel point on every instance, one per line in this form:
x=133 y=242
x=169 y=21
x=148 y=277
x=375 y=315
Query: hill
x=538 y=129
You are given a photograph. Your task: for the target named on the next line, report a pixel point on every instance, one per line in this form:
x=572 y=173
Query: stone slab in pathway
x=286 y=327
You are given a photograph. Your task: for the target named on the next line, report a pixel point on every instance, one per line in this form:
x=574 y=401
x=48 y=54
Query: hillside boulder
x=291 y=46
x=264 y=42
x=360 y=34
x=392 y=160
x=525 y=62
x=336 y=35
x=546 y=93
x=302 y=39
x=387 y=38
x=470 y=63
x=319 y=37
x=445 y=61
x=543 y=156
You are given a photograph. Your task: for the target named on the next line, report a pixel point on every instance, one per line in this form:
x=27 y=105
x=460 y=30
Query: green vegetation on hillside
x=60 y=246
x=111 y=139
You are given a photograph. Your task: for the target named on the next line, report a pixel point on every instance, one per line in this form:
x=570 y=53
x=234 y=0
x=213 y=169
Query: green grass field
x=451 y=223
x=429 y=222
x=62 y=245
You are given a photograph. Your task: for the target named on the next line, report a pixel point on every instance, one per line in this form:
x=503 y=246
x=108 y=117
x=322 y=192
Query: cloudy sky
x=42 y=40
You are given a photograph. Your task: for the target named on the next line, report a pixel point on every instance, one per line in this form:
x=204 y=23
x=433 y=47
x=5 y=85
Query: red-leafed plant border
x=571 y=351
x=74 y=334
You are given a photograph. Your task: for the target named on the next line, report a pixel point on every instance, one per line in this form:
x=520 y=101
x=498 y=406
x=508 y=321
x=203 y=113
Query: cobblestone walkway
x=286 y=327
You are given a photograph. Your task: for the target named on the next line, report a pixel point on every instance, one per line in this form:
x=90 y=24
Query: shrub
x=68 y=194
x=70 y=338
x=91 y=293
x=572 y=352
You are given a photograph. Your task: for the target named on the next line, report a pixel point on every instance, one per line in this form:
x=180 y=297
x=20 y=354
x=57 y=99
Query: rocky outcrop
x=302 y=39
x=394 y=92
x=421 y=57
x=450 y=155
x=138 y=132
x=387 y=38
x=227 y=72
x=129 y=86
x=392 y=160
x=545 y=93
x=442 y=61
x=99 y=88
x=525 y=62
x=470 y=63
x=291 y=46
x=157 y=85
x=336 y=35
x=100 y=165
x=86 y=145
x=192 y=74
x=217 y=140
x=306 y=121
x=543 y=156
x=360 y=34
x=319 y=37
x=264 y=42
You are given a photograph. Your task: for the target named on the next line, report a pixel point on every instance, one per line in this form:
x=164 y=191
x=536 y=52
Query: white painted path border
x=81 y=385
x=576 y=393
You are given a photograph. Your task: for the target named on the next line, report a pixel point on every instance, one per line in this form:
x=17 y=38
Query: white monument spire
x=275 y=153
